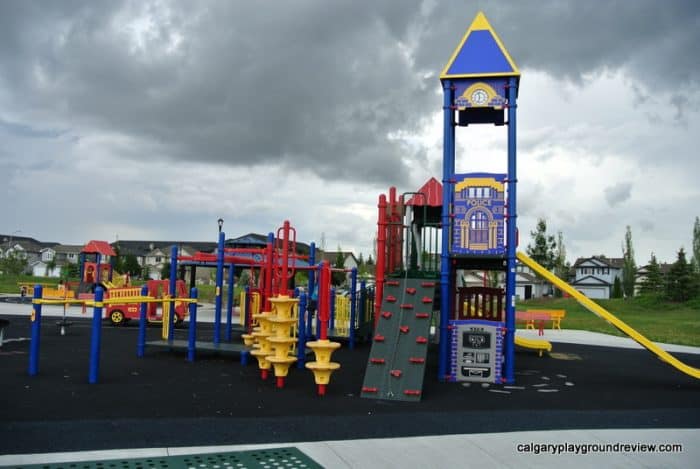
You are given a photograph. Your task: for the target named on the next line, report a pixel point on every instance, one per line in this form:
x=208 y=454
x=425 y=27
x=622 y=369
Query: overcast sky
x=152 y=119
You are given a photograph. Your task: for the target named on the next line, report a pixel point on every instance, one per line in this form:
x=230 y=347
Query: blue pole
x=363 y=304
x=512 y=233
x=312 y=287
x=353 y=304
x=173 y=291
x=96 y=337
x=141 y=348
x=447 y=169
x=219 y=286
x=36 y=333
x=229 y=301
x=301 y=333
x=192 y=332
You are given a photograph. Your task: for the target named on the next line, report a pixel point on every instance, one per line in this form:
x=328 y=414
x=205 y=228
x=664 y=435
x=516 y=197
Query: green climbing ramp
x=396 y=364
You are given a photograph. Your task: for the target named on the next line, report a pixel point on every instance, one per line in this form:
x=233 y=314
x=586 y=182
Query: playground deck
x=163 y=400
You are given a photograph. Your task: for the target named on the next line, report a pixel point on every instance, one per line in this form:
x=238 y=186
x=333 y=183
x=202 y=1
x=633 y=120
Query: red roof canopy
x=432 y=195
x=98 y=247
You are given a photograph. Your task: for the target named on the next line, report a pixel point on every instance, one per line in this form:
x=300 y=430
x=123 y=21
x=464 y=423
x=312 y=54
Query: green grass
x=676 y=323
x=659 y=321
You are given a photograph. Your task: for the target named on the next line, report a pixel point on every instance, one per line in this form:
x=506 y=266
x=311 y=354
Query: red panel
x=432 y=197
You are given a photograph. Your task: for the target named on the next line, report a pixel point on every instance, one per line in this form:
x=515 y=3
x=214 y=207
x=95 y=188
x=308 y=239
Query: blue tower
x=479 y=230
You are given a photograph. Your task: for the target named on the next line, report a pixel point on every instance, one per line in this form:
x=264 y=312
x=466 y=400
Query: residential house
x=642 y=272
x=595 y=276
x=527 y=284
x=67 y=253
x=24 y=247
x=349 y=260
x=154 y=254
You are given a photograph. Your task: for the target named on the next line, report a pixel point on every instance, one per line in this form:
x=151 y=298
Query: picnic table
x=533 y=317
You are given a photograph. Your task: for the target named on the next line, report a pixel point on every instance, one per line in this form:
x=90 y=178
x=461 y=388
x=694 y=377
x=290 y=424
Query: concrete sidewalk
x=573 y=448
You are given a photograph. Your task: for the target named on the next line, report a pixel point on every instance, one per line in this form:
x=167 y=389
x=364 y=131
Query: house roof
x=67 y=248
x=614 y=262
x=98 y=247
x=590 y=281
x=247 y=240
x=431 y=195
x=331 y=256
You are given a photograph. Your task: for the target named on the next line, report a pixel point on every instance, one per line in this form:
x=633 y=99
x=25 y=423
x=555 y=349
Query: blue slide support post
x=192 y=332
x=512 y=233
x=219 y=287
x=141 y=345
x=36 y=333
x=173 y=292
x=448 y=159
x=353 y=305
x=312 y=286
x=229 y=301
x=96 y=336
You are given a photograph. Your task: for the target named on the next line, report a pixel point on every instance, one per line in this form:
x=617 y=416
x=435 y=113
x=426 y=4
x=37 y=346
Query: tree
x=561 y=267
x=653 y=282
x=131 y=265
x=165 y=271
x=70 y=270
x=542 y=248
x=617 y=288
x=338 y=278
x=543 y=245
x=696 y=245
x=629 y=268
x=50 y=266
x=680 y=284
x=13 y=264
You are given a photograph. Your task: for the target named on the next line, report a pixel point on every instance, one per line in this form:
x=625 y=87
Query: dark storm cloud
x=655 y=40
x=309 y=84
x=617 y=193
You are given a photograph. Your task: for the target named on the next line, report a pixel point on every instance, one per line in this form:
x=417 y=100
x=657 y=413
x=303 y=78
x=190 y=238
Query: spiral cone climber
x=323 y=348
x=282 y=340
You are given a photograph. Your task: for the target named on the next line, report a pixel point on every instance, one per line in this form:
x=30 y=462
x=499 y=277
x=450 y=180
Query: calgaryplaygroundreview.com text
x=588 y=448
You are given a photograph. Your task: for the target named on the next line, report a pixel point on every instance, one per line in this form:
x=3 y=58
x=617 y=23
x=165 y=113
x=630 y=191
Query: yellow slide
x=533 y=344
x=612 y=319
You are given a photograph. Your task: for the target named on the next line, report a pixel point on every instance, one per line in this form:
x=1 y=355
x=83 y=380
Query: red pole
x=324 y=306
x=268 y=274
x=381 y=258
x=392 y=233
x=284 y=274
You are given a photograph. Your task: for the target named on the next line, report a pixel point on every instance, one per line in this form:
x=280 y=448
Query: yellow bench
x=555 y=315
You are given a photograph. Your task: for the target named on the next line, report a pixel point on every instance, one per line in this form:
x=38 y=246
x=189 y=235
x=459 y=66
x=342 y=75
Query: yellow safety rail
x=125 y=292
x=612 y=319
x=254 y=306
x=341 y=319
x=57 y=293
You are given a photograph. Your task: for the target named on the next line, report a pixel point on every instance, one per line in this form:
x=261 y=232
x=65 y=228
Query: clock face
x=479 y=97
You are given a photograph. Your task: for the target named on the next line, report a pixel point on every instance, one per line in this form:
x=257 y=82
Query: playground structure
x=423 y=239
x=477 y=225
